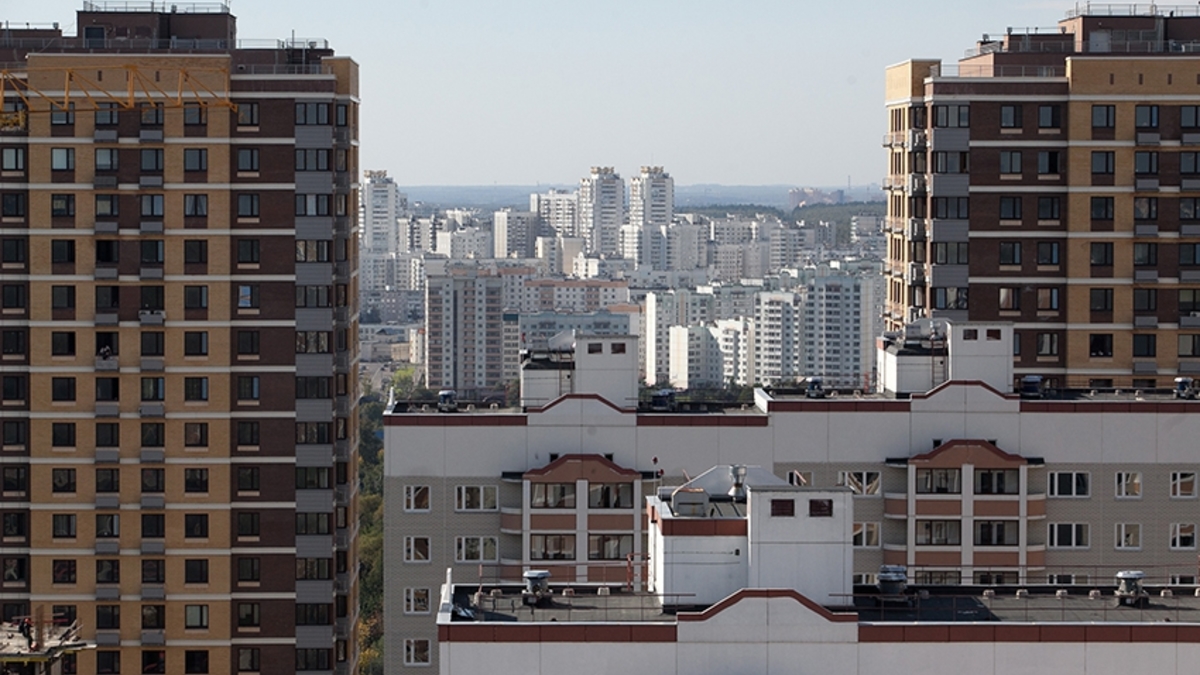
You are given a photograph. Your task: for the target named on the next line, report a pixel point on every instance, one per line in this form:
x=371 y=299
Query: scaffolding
x=81 y=93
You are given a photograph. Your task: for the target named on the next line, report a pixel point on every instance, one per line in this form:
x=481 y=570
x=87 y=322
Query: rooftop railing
x=152 y=6
x=78 y=44
x=989 y=70
x=1131 y=9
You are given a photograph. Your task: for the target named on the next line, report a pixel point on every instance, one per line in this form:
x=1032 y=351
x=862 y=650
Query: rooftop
x=582 y=604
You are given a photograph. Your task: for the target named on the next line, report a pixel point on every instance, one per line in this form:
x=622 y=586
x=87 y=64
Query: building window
x=62 y=159
x=951 y=162
x=1103 y=162
x=1129 y=536
x=248 y=615
x=1009 y=208
x=62 y=435
x=609 y=546
x=416 y=498
x=997 y=481
x=195 y=571
x=312 y=113
x=248 y=479
x=610 y=495
x=195 y=251
x=939 y=481
x=1145 y=208
x=247 y=206
x=1102 y=208
x=1104 y=116
x=12 y=159
x=195 y=159
x=151 y=160
x=860 y=482
x=550 y=547
x=314 y=568
x=416 y=549
x=63 y=525
x=474 y=498
x=247 y=297
x=62 y=389
x=416 y=652
x=1069 y=484
x=195 y=115
x=951 y=116
x=1047 y=253
x=63 y=571
x=865 y=535
x=1145 y=299
x=1129 y=484
x=783 y=508
x=152 y=206
x=154 y=617
x=1145 y=254
x=1189 y=345
x=1183 y=536
x=939 y=532
x=247 y=251
x=195 y=297
x=62 y=297
x=1067 y=535
x=1049 y=117
x=195 y=480
x=108 y=480
x=154 y=526
x=195 y=525
x=62 y=205
x=1102 y=254
x=1100 y=345
x=153 y=481
x=1050 y=162
x=1145 y=117
x=312 y=160
x=996 y=533
x=247 y=342
x=552 y=495
x=1145 y=345
x=247 y=116
x=1010 y=253
x=416 y=601
x=949 y=297
x=195 y=616
x=1144 y=163
x=249 y=569
x=195 y=662
x=195 y=343
x=1010 y=161
x=61 y=343
x=957 y=208
x=950 y=253
x=475 y=549
x=1047 y=298
x=1010 y=117
x=108 y=525
x=62 y=480
x=152 y=115
x=247 y=159
x=1183 y=484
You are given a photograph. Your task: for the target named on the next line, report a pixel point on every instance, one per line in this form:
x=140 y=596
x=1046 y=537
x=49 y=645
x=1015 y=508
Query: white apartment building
x=651 y=198
x=696 y=360
x=778 y=346
x=464 y=318
x=558 y=209
x=572 y=295
x=468 y=242
x=686 y=246
x=832 y=330
x=664 y=309
x=602 y=210
x=735 y=337
x=513 y=233
x=383 y=206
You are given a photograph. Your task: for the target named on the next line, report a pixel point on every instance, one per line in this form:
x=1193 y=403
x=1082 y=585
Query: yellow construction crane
x=83 y=94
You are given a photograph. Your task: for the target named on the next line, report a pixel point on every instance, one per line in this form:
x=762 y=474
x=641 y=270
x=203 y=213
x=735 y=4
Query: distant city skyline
x=467 y=92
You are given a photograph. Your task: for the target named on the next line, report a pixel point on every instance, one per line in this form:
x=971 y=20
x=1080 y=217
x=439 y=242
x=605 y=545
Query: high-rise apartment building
x=464 y=319
x=514 y=233
x=652 y=198
x=558 y=209
x=1049 y=179
x=602 y=210
x=383 y=206
x=179 y=359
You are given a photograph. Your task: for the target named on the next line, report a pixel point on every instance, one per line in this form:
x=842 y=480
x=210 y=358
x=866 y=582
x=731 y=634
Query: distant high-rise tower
x=382 y=207
x=558 y=209
x=652 y=198
x=602 y=210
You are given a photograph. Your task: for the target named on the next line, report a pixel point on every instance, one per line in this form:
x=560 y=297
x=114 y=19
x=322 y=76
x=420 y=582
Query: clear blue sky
x=481 y=92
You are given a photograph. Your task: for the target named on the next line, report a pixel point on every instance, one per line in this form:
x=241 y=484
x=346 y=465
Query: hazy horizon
x=762 y=92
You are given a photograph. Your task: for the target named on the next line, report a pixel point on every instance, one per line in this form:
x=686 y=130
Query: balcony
x=106 y=227
x=152 y=317
x=1146 y=183
x=107 y=318
x=916 y=274
x=108 y=409
x=916 y=139
x=917 y=184
x=152 y=410
x=1148 y=138
x=916 y=229
x=105 y=272
x=107 y=363
x=151 y=273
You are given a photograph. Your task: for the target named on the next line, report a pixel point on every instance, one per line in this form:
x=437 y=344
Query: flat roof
x=504 y=603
